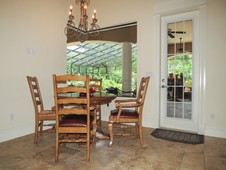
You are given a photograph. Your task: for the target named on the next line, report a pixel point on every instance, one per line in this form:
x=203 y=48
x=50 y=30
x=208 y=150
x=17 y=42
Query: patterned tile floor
x=126 y=153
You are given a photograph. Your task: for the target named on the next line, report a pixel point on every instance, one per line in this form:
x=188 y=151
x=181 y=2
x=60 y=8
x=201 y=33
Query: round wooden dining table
x=95 y=98
x=102 y=98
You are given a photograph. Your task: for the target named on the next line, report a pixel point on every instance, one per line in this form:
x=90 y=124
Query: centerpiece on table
x=91 y=91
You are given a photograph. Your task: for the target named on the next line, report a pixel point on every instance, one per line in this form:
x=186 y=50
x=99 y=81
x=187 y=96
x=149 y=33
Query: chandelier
x=81 y=33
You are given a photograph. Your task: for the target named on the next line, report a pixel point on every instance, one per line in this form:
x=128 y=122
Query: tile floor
x=157 y=154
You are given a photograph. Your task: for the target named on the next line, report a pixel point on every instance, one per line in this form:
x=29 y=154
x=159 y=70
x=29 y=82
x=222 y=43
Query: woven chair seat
x=49 y=114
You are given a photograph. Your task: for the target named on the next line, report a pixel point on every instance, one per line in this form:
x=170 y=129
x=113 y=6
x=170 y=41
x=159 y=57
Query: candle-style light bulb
x=94 y=13
x=70 y=12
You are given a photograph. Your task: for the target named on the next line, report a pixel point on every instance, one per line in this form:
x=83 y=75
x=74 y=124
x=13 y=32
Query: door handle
x=163 y=86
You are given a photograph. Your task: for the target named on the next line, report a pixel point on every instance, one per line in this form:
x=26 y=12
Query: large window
x=101 y=60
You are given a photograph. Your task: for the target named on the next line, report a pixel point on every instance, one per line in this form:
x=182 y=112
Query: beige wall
x=215 y=100
x=32 y=43
x=38 y=26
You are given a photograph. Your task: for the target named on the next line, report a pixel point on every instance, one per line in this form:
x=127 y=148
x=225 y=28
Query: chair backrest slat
x=143 y=89
x=73 y=111
x=69 y=101
x=71 y=89
x=35 y=93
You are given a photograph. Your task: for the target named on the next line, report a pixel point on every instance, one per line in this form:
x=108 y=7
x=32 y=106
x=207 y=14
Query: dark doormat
x=177 y=136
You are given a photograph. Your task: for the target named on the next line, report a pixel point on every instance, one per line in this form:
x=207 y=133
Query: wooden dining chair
x=128 y=112
x=96 y=83
x=72 y=104
x=43 y=117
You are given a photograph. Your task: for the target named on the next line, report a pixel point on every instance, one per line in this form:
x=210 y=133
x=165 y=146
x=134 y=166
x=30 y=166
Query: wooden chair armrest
x=128 y=105
x=125 y=100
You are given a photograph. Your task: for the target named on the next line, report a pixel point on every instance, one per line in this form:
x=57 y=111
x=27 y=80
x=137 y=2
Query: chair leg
x=137 y=129
x=36 y=131
x=88 y=147
x=93 y=134
x=100 y=117
x=110 y=128
x=99 y=121
x=57 y=147
x=141 y=134
x=94 y=127
x=41 y=127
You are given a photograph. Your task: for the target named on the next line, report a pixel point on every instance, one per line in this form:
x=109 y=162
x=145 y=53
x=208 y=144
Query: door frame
x=171 y=8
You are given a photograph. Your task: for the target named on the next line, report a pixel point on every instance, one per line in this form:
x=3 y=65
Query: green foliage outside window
x=111 y=75
x=181 y=64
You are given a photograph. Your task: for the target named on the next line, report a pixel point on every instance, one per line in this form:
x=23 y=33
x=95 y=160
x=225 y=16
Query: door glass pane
x=179 y=110
x=187 y=110
x=170 y=109
x=179 y=91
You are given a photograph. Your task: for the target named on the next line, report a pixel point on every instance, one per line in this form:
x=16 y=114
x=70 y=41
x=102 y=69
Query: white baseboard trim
x=150 y=124
x=12 y=133
x=8 y=134
x=215 y=132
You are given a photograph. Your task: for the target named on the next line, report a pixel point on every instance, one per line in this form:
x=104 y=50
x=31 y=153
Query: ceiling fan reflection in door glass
x=171 y=33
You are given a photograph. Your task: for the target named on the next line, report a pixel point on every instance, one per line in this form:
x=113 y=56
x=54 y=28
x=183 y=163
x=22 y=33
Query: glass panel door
x=179 y=61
